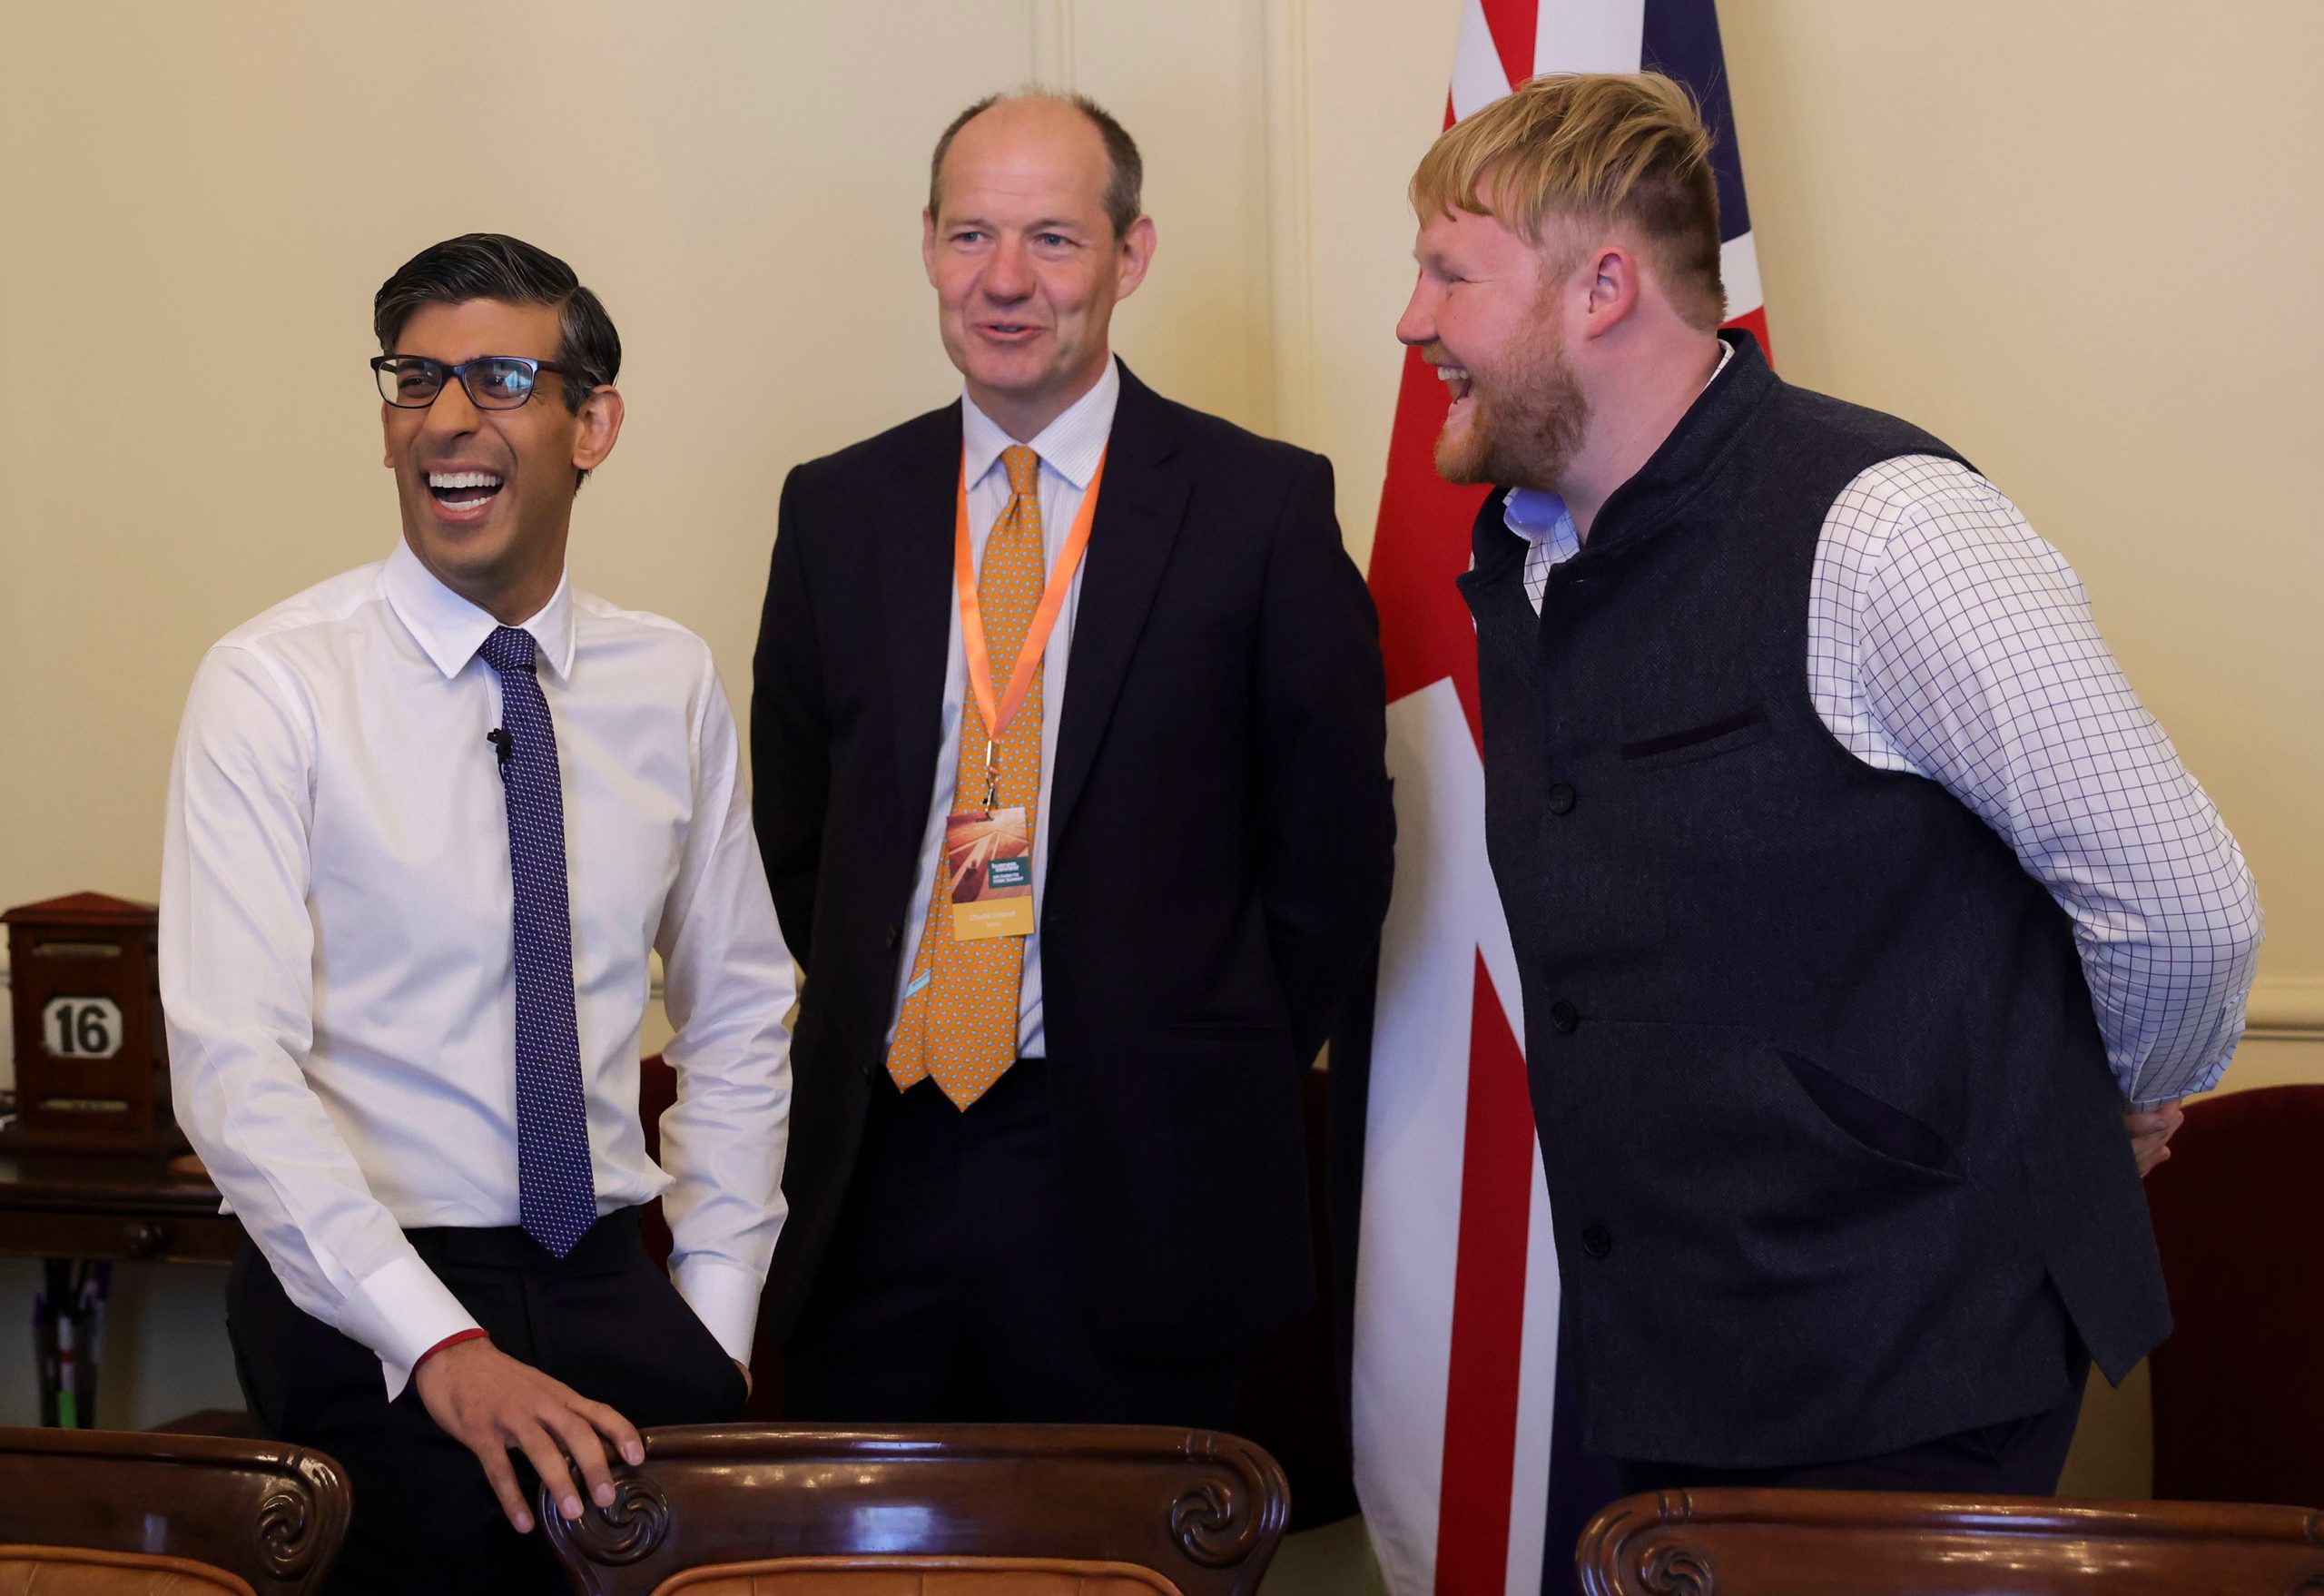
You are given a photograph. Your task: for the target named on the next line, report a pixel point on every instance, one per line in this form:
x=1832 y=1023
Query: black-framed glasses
x=494 y=382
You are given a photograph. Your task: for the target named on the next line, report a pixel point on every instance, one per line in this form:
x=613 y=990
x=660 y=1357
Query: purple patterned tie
x=556 y=1197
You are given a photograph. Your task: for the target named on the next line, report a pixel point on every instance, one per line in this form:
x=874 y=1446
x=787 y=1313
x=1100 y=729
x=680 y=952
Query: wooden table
x=122 y=1207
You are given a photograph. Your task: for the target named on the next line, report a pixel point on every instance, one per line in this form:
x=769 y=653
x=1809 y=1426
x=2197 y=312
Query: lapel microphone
x=502 y=743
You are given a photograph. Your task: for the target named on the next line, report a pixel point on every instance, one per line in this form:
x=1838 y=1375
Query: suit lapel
x=912 y=541
x=1140 y=506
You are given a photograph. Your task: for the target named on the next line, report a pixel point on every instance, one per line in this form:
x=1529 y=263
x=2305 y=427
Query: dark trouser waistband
x=614 y=1237
x=1023 y=1087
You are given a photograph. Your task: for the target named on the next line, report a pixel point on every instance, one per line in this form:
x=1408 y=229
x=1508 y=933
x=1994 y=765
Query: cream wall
x=2068 y=237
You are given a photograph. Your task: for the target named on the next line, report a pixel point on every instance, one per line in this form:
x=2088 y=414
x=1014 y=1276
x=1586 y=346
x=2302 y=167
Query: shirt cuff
x=399 y=1312
x=725 y=1298
x=455 y=1339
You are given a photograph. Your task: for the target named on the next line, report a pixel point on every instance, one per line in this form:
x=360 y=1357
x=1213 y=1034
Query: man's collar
x=450 y=629
x=1539 y=515
x=1071 y=444
x=1676 y=471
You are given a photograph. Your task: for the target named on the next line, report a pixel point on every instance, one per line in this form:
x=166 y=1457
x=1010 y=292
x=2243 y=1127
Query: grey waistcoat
x=1834 y=1158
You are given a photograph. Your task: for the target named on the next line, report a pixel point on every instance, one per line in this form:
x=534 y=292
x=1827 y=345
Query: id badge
x=988 y=854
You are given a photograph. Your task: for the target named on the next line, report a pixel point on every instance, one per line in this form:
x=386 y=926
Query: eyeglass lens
x=494 y=382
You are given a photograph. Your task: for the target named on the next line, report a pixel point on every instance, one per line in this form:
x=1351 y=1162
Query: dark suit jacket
x=1220 y=823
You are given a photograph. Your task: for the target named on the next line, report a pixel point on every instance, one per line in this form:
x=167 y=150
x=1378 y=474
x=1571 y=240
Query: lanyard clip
x=991 y=774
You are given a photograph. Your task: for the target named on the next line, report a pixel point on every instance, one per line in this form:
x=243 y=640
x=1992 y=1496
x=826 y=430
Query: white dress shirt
x=336 y=957
x=1070 y=447
x=1946 y=638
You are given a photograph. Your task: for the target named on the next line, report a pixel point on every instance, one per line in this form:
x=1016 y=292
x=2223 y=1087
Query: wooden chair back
x=1742 y=1543
x=269 y=1515
x=767 y=1508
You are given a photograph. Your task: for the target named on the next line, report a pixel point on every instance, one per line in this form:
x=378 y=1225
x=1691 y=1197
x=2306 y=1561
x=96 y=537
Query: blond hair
x=1628 y=149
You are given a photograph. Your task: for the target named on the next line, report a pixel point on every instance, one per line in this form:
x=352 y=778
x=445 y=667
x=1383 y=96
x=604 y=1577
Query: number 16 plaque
x=92 y=1067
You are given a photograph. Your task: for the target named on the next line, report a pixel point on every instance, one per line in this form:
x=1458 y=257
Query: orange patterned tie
x=960 y=1024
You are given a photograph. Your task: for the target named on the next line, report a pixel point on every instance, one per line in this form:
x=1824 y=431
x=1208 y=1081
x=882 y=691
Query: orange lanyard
x=998 y=715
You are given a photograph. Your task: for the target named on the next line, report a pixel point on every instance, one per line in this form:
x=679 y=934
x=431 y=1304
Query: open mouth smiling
x=462 y=491
x=1455 y=379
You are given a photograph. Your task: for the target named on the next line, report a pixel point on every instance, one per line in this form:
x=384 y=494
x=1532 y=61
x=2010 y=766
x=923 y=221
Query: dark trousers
x=2017 y=1457
x=603 y=1319
x=946 y=1295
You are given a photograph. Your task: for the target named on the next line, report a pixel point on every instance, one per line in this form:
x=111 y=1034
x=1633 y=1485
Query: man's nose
x=453 y=414
x=1417 y=325
x=1009 y=275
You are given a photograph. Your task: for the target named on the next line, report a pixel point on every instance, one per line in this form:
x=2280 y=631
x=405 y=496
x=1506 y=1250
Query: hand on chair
x=491 y=1404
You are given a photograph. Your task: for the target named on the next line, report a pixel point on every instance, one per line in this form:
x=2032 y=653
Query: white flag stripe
x=1589 y=36
x=1738 y=268
x=1415 y=1122
x=1537 y=1389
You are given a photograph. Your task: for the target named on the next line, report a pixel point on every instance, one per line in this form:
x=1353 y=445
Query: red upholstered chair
x=1738 y=1542
x=2238 y=1388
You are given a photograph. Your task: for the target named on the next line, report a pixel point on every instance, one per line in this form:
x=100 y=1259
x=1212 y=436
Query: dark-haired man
x=426 y=822
x=1079 y=850
x=1857 y=902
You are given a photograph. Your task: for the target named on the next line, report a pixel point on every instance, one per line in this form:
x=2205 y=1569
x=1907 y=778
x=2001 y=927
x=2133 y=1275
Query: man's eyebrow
x=1044 y=224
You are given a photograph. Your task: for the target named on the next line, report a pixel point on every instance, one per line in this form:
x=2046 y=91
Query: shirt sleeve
x=237 y=973
x=729 y=988
x=1976 y=664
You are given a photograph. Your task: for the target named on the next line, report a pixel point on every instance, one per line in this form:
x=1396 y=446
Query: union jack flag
x=1465 y=1456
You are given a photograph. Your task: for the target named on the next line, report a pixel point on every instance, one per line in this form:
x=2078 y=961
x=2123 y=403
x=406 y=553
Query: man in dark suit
x=1048 y=1162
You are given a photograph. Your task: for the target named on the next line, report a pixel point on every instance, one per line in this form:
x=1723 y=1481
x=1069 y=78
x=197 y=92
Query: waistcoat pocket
x=1882 y=1127
x=1706 y=1138
x=1706 y=740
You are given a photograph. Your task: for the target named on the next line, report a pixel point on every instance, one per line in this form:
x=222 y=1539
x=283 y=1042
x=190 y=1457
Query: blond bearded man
x=1856 y=898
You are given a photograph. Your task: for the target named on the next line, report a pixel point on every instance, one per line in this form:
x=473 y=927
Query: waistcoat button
x=1560 y=798
x=1597 y=1241
x=1564 y=1017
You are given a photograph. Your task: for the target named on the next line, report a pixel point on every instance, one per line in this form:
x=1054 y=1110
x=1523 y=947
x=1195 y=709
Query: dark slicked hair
x=493 y=266
x=1125 y=177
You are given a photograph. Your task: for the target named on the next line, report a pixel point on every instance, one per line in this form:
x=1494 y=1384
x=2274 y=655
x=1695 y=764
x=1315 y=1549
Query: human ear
x=1613 y=288
x=1137 y=253
x=600 y=425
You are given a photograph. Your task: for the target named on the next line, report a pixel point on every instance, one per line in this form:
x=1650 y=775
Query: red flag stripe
x=1513 y=25
x=1426 y=635
x=1488 y=1308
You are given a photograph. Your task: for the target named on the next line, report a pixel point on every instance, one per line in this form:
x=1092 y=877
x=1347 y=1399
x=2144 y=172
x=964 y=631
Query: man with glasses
x=427 y=822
